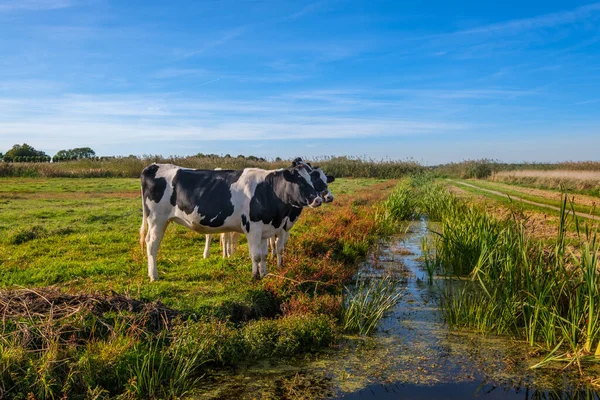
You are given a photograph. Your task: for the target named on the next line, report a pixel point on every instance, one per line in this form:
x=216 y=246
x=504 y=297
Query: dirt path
x=579 y=199
x=497 y=193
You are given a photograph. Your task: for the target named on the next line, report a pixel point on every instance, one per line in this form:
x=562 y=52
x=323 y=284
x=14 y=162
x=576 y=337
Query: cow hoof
x=256 y=277
x=153 y=279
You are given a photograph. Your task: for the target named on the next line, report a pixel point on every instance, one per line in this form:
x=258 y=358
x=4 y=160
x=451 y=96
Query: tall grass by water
x=514 y=284
x=367 y=302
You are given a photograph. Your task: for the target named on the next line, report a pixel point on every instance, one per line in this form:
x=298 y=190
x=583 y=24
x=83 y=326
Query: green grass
x=504 y=188
x=545 y=293
x=82 y=235
x=89 y=241
x=518 y=207
x=367 y=302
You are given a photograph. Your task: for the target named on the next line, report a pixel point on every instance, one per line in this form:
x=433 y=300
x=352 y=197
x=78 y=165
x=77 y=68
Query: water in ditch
x=413 y=355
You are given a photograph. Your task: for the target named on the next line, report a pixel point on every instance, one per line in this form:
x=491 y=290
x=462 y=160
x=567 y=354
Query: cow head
x=304 y=193
x=318 y=179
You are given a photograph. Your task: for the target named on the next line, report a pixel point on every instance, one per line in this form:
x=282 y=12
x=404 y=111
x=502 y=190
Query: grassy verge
x=544 y=293
x=539 y=222
x=554 y=201
x=103 y=330
x=590 y=187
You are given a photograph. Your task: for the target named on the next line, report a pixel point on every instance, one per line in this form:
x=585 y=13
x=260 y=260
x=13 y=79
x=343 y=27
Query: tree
x=23 y=150
x=83 y=152
x=1 y=156
x=74 y=154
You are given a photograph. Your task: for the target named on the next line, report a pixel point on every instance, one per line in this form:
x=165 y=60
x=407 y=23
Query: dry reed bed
x=554 y=174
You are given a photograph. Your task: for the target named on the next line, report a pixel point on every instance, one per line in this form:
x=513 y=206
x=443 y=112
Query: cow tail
x=143 y=227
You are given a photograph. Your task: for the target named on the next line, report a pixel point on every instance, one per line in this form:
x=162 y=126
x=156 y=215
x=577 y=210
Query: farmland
x=83 y=318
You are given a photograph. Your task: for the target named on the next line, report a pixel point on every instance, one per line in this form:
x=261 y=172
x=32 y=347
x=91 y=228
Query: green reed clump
x=367 y=302
x=545 y=294
x=429 y=261
x=159 y=374
x=432 y=199
x=400 y=206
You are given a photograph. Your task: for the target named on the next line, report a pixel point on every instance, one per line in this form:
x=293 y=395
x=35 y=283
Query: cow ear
x=309 y=164
x=330 y=178
x=297 y=160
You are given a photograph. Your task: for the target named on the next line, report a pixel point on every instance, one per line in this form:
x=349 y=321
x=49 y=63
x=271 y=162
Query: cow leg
x=235 y=237
x=254 y=245
x=207 y=246
x=273 y=244
x=264 y=246
x=225 y=243
x=156 y=231
x=281 y=242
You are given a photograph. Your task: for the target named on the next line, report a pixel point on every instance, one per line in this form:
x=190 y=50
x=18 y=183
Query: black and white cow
x=278 y=241
x=229 y=240
x=251 y=201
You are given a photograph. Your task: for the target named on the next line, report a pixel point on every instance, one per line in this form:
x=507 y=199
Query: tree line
x=26 y=153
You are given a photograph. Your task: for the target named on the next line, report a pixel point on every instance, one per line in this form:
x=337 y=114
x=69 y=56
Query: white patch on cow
x=326 y=195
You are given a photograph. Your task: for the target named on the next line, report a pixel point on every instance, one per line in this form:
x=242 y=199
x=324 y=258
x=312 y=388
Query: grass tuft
x=367 y=302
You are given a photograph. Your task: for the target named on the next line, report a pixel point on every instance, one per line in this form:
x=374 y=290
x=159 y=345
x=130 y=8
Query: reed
x=512 y=283
x=366 y=303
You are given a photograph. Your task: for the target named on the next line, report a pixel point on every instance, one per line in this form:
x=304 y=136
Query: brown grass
x=556 y=174
x=586 y=182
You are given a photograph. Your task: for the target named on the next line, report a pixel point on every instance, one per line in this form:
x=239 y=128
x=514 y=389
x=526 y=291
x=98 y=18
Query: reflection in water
x=466 y=390
x=413 y=355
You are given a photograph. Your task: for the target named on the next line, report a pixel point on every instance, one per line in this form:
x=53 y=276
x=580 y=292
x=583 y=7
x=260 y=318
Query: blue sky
x=434 y=81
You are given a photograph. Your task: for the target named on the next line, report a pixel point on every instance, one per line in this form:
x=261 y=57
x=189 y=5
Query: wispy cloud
x=169 y=73
x=542 y=21
x=34 y=5
x=212 y=43
x=586 y=102
x=118 y=119
x=309 y=8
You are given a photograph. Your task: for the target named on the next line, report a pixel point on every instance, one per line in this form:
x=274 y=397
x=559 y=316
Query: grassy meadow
x=84 y=319
x=80 y=316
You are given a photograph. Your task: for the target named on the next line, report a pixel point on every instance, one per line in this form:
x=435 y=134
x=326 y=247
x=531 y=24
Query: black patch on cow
x=294 y=214
x=275 y=197
x=330 y=178
x=317 y=182
x=292 y=217
x=153 y=188
x=245 y=223
x=209 y=190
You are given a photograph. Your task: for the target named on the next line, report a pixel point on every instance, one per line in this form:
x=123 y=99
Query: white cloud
x=98 y=120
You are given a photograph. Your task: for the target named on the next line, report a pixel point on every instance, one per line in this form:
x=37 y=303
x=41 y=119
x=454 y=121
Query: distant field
x=583 y=182
x=556 y=174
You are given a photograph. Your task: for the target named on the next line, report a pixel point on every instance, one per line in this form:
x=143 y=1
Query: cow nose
x=328 y=198
x=316 y=202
